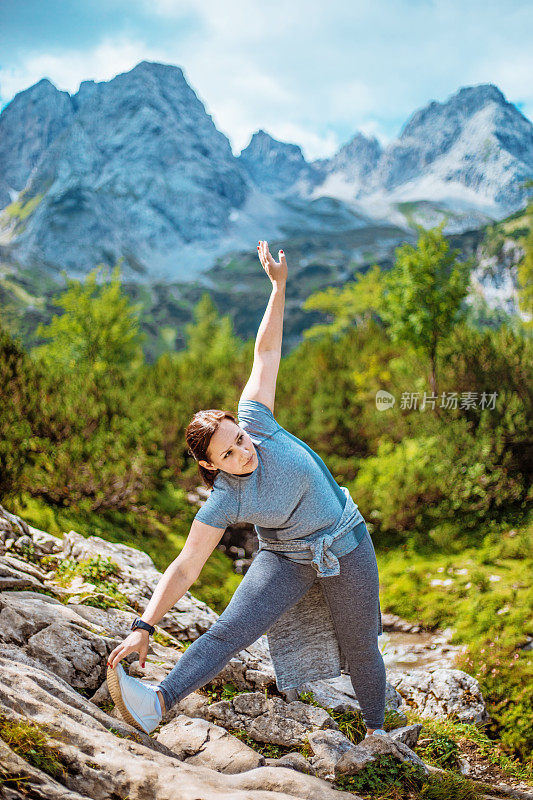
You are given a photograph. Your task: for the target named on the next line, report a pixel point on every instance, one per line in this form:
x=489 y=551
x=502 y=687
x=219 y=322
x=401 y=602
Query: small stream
x=405 y=651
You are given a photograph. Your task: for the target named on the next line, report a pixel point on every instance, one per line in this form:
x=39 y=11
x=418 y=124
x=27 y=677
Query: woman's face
x=231 y=450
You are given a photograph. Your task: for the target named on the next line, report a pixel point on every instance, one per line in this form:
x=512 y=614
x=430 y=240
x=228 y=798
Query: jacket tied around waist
x=318 y=549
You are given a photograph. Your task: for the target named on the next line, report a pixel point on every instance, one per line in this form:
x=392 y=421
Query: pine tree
x=423 y=294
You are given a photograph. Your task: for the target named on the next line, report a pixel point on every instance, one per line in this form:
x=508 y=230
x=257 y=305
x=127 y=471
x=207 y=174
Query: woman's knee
x=364 y=657
x=219 y=632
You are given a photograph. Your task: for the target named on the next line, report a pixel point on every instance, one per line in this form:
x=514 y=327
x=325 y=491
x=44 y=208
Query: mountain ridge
x=135 y=168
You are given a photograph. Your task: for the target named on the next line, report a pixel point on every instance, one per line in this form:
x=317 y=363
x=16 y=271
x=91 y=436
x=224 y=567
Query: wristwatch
x=139 y=623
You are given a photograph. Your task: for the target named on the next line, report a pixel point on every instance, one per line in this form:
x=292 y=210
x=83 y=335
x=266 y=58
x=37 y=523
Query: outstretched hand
x=135 y=642
x=276 y=270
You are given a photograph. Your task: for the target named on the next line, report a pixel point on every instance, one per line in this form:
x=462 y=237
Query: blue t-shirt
x=291 y=494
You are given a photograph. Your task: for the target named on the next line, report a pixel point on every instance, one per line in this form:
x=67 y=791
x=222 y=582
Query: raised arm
x=261 y=385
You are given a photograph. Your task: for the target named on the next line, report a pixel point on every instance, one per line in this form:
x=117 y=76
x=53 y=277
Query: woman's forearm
x=172 y=585
x=270 y=332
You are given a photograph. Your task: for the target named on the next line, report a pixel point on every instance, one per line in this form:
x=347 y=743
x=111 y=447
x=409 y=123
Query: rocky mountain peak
x=156 y=69
x=358 y=157
x=142 y=144
x=41 y=93
x=28 y=124
x=136 y=167
x=149 y=83
x=455 y=111
x=273 y=165
x=474 y=149
x=262 y=144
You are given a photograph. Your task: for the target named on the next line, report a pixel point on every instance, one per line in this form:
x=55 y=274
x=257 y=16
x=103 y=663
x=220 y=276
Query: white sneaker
x=377 y=732
x=137 y=702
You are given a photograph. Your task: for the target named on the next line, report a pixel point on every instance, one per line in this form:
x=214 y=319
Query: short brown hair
x=198 y=434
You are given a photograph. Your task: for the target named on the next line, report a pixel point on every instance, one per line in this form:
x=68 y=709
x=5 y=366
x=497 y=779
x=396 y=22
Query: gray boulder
x=440 y=692
x=370 y=749
x=197 y=741
x=270 y=720
x=333 y=754
x=327 y=749
x=100 y=756
x=338 y=694
x=407 y=735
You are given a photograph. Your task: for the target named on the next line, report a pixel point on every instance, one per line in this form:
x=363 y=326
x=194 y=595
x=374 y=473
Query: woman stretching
x=262 y=474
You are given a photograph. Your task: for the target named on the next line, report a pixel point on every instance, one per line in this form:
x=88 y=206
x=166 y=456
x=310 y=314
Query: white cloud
x=240 y=101
x=313 y=145
x=350 y=97
x=511 y=72
x=372 y=127
x=66 y=71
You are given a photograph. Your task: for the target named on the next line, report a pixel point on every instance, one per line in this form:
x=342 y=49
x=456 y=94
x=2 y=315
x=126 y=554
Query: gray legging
x=272 y=584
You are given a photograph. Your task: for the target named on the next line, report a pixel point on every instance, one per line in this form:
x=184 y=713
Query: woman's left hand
x=276 y=270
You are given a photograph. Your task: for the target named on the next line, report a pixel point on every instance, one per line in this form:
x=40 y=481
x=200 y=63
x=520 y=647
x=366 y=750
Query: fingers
x=268 y=256
x=260 y=253
x=117 y=655
x=113 y=659
x=142 y=656
x=264 y=254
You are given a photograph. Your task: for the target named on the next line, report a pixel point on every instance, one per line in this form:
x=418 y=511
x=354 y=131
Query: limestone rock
x=24 y=566
x=55 y=636
x=12 y=578
x=49 y=649
x=193 y=705
x=103 y=757
x=37 y=784
x=328 y=747
x=12 y=526
x=188 y=619
x=334 y=754
x=44 y=543
x=408 y=734
x=370 y=749
x=293 y=760
x=270 y=720
x=440 y=692
x=78 y=656
x=392 y=622
x=338 y=694
x=197 y=741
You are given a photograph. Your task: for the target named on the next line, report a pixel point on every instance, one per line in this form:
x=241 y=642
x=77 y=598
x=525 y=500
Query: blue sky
x=311 y=72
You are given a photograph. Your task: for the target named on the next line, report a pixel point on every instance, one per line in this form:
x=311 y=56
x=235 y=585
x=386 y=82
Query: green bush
x=505 y=675
x=16 y=443
x=439 y=486
x=439 y=750
x=449 y=787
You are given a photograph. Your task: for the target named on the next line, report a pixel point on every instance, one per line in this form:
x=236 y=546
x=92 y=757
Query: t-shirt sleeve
x=219 y=510
x=256 y=418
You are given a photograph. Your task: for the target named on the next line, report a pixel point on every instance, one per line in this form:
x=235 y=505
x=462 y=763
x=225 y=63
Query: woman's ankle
x=161 y=700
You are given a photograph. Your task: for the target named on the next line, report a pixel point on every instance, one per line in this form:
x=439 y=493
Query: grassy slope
x=484 y=592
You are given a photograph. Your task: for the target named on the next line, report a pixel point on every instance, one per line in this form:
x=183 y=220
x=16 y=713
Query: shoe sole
x=113 y=684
